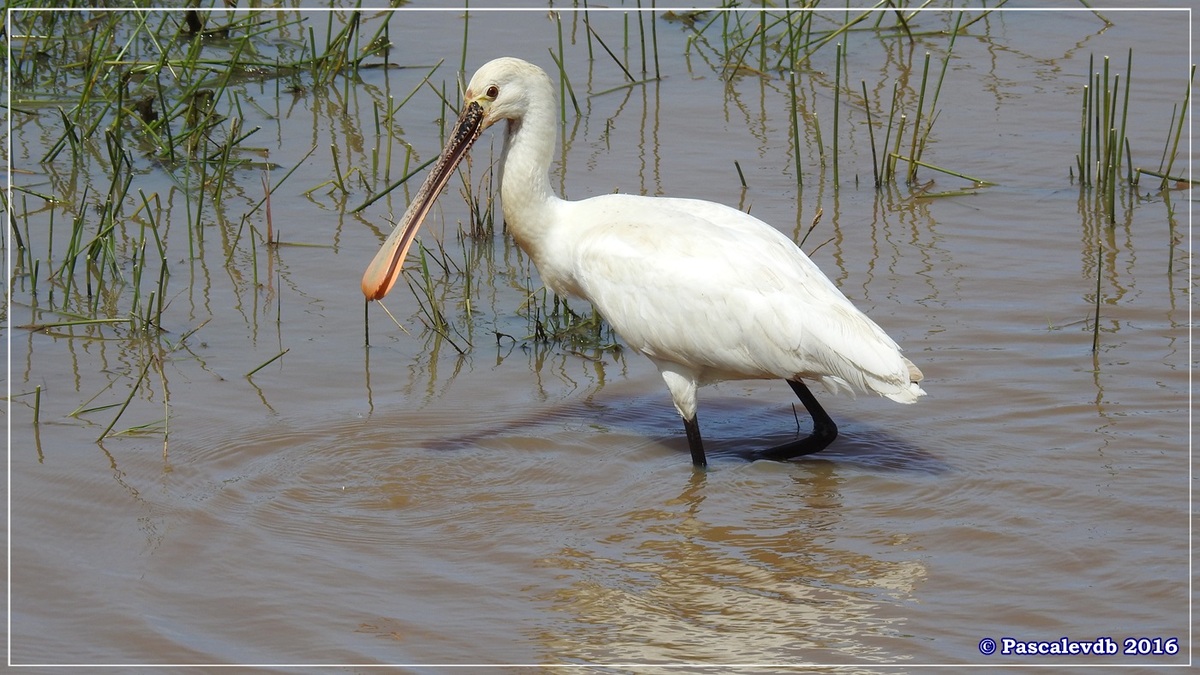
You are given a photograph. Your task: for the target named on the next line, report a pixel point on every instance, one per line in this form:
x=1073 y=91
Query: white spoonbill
x=705 y=291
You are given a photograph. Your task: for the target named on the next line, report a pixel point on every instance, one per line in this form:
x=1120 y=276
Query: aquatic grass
x=816 y=126
x=430 y=308
x=630 y=80
x=654 y=38
x=49 y=327
x=912 y=152
x=99 y=252
x=1096 y=314
x=480 y=201
x=1104 y=144
x=871 y=136
x=156 y=92
x=816 y=220
x=268 y=362
x=641 y=33
x=887 y=166
x=564 y=83
x=553 y=321
x=153 y=360
x=793 y=109
x=741 y=176
x=837 y=99
x=343 y=52
x=383 y=193
x=128 y=399
x=37 y=405
x=790 y=33
x=1171 y=148
x=920 y=132
x=979 y=182
x=603 y=45
x=922 y=125
x=83 y=409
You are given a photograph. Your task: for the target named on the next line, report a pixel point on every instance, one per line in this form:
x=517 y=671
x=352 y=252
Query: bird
x=705 y=291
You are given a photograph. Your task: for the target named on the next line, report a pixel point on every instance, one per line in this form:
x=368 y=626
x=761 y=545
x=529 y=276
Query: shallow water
x=530 y=503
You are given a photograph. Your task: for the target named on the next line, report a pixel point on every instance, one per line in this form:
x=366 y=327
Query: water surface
x=534 y=503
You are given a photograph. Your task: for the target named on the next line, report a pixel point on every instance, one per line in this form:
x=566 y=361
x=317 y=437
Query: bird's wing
x=721 y=292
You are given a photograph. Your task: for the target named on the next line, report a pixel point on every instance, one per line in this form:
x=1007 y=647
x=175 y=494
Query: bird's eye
x=493 y=91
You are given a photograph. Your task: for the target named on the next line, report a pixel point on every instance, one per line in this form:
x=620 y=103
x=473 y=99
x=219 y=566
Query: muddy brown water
x=528 y=503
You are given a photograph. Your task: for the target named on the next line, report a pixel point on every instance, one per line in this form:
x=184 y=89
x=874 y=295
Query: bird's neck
x=525 y=193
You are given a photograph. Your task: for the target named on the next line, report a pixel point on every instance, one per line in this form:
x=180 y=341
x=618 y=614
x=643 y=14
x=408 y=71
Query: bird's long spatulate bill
x=384 y=270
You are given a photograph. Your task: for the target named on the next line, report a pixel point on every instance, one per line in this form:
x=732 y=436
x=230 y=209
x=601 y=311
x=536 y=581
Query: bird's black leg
x=692 y=427
x=823 y=432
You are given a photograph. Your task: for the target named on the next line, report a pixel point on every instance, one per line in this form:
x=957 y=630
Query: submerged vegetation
x=149 y=148
x=779 y=44
x=1105 y=162
x=145 y=170
x=1103 y=145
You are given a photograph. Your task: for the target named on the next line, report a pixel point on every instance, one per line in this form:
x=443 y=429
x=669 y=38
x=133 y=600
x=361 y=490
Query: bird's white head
x=502 y=89
x=505 y=88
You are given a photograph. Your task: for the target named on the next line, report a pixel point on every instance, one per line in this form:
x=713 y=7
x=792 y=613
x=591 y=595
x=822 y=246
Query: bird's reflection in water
x=770 y=583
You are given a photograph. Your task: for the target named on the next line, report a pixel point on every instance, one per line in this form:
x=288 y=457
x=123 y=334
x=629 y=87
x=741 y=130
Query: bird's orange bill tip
x=384 y=270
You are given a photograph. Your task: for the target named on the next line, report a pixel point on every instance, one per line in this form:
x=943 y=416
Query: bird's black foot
x=813 y=443
x=823 y=432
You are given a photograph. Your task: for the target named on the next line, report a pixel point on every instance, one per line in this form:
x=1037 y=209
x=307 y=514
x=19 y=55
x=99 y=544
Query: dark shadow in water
x=742 y=427
x=732 y=428
x=856 y=443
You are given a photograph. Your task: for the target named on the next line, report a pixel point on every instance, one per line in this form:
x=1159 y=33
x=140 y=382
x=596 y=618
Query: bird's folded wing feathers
x=730 y=296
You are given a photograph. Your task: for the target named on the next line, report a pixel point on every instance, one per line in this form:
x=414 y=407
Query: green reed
x=793 y=109
x=592 y=32
x=124 y=95
x=1096 y=313
x=133 y=390
x=1171 y=147
x=837 y=99
x=782 y=39
x=564 y=83
x=553 y=321
x=871 y=136
x=924 y=119
x=793 y=38
x=268 y=362
x=912 y=152
x=1102 y=139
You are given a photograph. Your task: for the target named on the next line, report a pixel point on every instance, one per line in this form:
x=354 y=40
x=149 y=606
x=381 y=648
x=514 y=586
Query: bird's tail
x=911 y=392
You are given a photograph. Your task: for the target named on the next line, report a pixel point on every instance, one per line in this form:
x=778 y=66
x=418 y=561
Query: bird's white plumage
x=705 y=291
x=719 y=295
